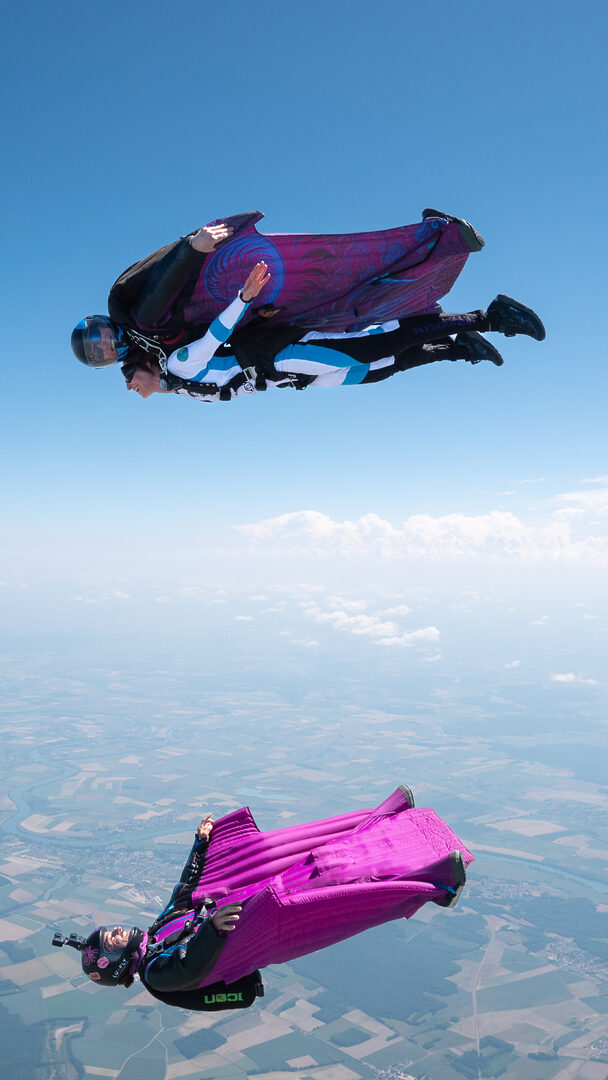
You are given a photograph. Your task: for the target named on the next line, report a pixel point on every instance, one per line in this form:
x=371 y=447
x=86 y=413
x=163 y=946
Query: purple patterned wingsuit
x=308 y=886
x=331 y=282
x=335 y=281
x=338 y=281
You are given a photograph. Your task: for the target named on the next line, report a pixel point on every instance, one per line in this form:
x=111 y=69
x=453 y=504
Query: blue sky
x=132 y=123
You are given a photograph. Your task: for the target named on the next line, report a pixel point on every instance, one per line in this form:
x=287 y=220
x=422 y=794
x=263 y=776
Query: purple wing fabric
x=308 y=886
x=339 y=281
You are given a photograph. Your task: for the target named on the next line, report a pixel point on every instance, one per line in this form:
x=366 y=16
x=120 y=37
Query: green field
x=523 y=994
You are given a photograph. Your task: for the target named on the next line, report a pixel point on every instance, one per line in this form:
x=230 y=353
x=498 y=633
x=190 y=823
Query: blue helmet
x=99 y=342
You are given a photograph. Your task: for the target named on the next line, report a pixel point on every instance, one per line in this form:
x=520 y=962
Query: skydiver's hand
x=225 y=918
x=205 y=827
x=256 y=281
x=206 y=238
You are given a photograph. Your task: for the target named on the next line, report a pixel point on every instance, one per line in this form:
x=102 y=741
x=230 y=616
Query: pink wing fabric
x=308 y=886
x=333 y=281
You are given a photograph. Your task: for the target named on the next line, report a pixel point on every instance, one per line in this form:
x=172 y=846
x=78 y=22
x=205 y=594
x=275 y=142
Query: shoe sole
x=492 y=354
x=468 y=233
x=408 y=795
x=459 y=874
x=460 y=877
x=532 y=316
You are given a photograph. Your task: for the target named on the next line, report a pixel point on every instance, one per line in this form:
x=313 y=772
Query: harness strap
x=207 y=905
x=258 y=377
x=149 y=345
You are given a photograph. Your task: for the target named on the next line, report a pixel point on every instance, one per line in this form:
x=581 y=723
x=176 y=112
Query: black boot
x=509 y=317
x=471 y=237
x=476 y=348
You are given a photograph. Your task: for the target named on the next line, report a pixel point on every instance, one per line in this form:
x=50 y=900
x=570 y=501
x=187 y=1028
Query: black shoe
x=408 y=795
x=476 y=348
x=459 y=874
x=471 y=237
x=509 y=317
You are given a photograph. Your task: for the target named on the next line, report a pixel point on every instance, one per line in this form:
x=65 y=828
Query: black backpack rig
x=216 y=997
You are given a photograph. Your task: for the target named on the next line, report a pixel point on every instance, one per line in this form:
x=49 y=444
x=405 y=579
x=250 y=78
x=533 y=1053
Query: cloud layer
x=386 y=632
x=571 y=533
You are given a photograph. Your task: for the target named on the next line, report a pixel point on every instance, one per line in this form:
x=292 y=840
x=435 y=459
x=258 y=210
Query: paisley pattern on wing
x=227 y=268
x=333 y=281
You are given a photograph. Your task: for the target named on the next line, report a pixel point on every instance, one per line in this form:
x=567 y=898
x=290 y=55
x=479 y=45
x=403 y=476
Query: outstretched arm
x=193 y=869
x=205 y=239
x=191 y=362
x=164 y=282
x=184 y=967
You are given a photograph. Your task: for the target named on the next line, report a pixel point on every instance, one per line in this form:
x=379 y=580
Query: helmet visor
x=101 y=341
x=111 y=948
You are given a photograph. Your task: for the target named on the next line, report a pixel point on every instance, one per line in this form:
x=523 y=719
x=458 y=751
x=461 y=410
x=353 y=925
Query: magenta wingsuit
x=308 y=886
x=331 y=282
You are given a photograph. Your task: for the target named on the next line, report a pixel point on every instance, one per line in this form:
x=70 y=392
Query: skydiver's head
x=109 y=956
x=99 y=342
x=143 y=377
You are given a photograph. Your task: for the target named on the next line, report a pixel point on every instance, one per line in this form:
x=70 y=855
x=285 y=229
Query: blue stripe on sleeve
x=219 y=331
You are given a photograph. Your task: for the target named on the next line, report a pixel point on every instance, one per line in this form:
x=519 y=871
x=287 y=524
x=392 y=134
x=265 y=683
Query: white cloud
x=544 y=619
x=513 y=664
x=570 y=677
x=594 y=501
x=428 y=633
x=102 y=598
x=385 y=631
x=353 y=624
x=303 y=643
x=243 y=618
x=498 y=534
x=401 y=609
x=568 y=513
x=346 y=605
x=297 y=589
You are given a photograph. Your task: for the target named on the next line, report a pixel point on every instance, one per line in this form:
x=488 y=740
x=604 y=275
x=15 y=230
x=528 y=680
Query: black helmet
x=105 y=965
x=99 y=342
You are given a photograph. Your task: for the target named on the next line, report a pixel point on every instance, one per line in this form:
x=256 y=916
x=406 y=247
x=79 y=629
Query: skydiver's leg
x=504 y=315
x=414 y=356
x=471 y=347
x=339 y=367
x=390 y=339
x=348 y=359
